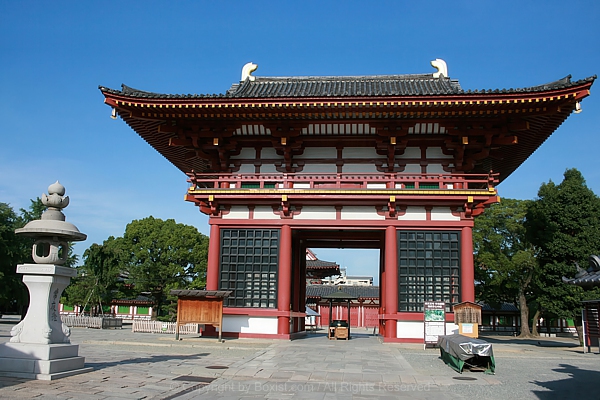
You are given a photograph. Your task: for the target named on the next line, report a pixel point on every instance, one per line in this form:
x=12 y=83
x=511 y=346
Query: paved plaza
x=153 y=366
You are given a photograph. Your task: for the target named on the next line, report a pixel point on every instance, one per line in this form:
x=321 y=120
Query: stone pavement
x=147 y=366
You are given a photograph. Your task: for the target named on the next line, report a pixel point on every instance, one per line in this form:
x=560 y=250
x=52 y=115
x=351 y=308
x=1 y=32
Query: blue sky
x=55 y=54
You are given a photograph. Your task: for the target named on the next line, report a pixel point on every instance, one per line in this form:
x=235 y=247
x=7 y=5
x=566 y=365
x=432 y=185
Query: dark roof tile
x=360 y=292
x=344 y=86
x=321 y=264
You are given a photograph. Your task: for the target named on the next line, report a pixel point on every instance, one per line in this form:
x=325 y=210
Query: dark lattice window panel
x=248 y=267
x=428 y=268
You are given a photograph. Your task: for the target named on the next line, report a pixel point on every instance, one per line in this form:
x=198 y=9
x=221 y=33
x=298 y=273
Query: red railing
x=343 y=181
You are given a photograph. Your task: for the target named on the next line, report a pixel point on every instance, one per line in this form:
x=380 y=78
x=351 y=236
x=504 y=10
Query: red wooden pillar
x=214 y=249
x=391 y=281
x=212 y=269
x=284 y=279
x=296 y=290
x=467 y=273
x=382 y=283
x=302 y=291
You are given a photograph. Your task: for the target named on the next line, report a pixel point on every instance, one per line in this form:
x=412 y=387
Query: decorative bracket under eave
x=392 y=207
x=285 y=208
x=472 y=210
x=209 y=207
x=393 y=210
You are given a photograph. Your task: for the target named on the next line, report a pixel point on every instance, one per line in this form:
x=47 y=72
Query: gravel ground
x=552 y=369
x=543 y=369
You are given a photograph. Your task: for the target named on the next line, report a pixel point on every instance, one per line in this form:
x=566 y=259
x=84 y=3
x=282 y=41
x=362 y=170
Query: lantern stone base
x=41 y=361
x=39 y=346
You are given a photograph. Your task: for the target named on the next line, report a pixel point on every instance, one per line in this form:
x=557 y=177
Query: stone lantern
x=40 y=347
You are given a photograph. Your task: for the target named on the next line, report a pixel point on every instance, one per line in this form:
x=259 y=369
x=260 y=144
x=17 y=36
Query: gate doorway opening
x=361 y=251
x=359 y=277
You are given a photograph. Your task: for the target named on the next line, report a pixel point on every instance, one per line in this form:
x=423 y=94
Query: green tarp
x=458 y=350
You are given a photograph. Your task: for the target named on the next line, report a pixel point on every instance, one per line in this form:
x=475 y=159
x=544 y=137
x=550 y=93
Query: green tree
x=100 y=278
x=13 y=250
x=162 y=255
x=564 y=223
x=35 y=211
x=506 y=266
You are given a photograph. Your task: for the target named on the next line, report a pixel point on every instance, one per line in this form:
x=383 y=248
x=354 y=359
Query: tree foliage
x=506 y=266
x=160 y=255
x=100 y=277
x=15 y=250
x=564 y=223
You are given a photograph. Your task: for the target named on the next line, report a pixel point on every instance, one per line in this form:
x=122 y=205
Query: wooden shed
x=468 y=317
x=200 y=307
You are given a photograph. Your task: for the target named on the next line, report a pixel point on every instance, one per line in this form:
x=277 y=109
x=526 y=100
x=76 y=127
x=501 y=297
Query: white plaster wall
x=451 y=328
x=361 y=213
x=435 y=169
x=319 y=168
x=410 y=330
x=414 y=213
x=268 y=169
x=436 y=152
x=318 y=152
x=247 y=153
x=443 y=214
x=318 y=213
x=237 y=212
x=416 y=329
x=248 y=324
x=359 y=168
x=301 y=185
x=360 y=152
x=269 y=152
x=246 y=169
x=264 y=212
x=412 y=169
x=411 y=152
x=376 y=186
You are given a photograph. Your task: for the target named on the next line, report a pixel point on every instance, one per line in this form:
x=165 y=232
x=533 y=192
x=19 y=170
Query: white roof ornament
x=442 y=68
x=247 y=70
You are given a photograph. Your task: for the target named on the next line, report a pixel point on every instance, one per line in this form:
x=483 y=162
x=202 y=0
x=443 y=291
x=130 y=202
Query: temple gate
x=399 y=163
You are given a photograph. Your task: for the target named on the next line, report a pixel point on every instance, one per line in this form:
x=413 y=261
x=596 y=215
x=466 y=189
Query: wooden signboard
x=435 y=321
x=200 y=307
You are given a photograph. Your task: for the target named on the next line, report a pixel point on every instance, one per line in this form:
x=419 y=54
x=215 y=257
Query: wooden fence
x=81 y=321
x=164 y=327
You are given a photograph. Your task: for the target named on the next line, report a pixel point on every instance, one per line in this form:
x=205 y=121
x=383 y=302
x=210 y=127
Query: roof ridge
x=342 y=77
x=348 y=86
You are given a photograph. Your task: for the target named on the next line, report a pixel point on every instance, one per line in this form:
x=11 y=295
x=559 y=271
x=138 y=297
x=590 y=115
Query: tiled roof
x=137 y=300
x=318 y=264
x=201 y=293
x=360 y=292
x=587 y=278
x=344 y=86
